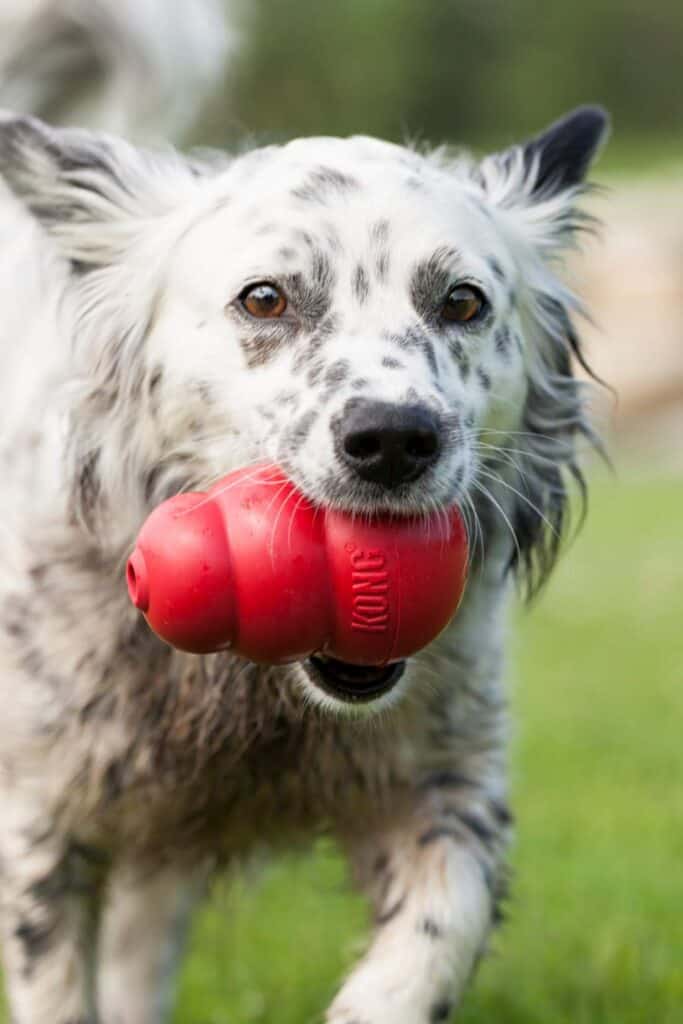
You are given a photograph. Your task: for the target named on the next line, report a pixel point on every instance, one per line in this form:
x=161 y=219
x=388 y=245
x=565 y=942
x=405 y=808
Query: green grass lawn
x=595 y=929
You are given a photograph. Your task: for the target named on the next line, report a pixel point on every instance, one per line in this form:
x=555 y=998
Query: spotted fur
x=129 y=769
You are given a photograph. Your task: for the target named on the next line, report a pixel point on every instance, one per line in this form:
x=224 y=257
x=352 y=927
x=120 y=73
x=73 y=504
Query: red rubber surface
x=252 y=565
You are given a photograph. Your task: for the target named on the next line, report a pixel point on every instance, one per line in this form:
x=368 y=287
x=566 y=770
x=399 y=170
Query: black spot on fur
x=359 y=383
x=501 y=813
x=379 y=232
x=484 y=379
x=323 y=183
x=88 y=487
x=429 y=927
x=445 y=780
x=381 y=863
x=287 y=398
x=437 y=832
x=311 y=348
x=360 y=284
x=430 y=281
x=391 y=912
x=36 y=940
x=332 y=238
x=382 y=265
x=503 y=340
x=336 y=373
x=477 y=827
x=440 y=1012
x=496 y=268
x=392 y=364
x=315 y=372
x=414 y=338
x=379 y=235
x=264 y=343
x=311 y=295
x=113 y=781
x=428 y=349
x=299 y=433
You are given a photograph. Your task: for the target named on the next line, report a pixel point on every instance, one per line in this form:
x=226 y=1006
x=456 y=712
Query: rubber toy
x=253 y=566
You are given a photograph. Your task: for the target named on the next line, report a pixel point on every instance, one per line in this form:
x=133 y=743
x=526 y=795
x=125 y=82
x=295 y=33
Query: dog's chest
x=222 y=755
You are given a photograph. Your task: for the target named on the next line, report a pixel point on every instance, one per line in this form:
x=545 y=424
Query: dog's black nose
x=388 y=444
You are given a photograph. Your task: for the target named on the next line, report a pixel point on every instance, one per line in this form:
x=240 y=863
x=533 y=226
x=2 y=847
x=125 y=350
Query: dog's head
x=387 y=325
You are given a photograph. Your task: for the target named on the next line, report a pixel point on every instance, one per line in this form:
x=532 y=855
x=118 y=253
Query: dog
x=389 y=326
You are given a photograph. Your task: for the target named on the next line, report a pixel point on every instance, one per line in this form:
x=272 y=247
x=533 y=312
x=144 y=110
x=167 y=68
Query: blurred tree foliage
x=450 y=69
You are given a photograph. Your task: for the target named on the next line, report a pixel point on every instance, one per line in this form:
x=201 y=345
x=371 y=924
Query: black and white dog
x=188 y=316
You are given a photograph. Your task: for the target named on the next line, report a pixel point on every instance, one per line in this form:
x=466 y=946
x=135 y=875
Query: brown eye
x=463 y=304
x=263 y=301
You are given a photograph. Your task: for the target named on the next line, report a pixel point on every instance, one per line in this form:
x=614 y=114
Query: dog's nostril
x=422 y=444
x=363 y=444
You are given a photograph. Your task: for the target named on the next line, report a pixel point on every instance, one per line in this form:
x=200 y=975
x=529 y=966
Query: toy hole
x=136 y=577
x=132 y=577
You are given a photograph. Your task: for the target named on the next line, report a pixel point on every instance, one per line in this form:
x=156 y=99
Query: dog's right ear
x=90 y=192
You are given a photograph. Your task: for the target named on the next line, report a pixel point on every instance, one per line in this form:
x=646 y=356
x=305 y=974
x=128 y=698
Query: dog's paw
x=402 y=1002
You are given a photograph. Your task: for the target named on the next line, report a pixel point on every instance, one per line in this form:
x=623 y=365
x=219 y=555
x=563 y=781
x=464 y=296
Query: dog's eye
x=463 y=304
x=263 y=300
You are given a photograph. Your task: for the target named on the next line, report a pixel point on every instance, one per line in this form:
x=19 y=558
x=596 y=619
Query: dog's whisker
x=487 y=494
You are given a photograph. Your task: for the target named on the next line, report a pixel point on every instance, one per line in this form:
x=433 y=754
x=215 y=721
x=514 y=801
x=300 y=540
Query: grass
x=595 y=930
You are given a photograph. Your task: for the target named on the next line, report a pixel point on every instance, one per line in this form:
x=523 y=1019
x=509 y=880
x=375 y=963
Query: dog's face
x=385 y=325
x=350 y=310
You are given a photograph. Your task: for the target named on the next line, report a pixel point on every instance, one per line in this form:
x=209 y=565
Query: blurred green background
x=482 y=71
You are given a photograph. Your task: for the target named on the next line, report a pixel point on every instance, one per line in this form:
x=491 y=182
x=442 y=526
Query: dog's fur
x=131 y=371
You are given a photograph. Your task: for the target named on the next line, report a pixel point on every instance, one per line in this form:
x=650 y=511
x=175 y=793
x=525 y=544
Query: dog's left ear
x=549 y=166
x=560 y=156
x=88 y=191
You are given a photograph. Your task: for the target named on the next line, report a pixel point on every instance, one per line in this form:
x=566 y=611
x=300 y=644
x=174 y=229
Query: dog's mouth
x=352 y=683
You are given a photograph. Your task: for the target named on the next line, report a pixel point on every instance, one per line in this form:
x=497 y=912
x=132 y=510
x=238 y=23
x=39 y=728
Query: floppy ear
x=88 y=191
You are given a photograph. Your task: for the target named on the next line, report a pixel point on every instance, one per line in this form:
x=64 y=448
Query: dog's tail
x=133 y=67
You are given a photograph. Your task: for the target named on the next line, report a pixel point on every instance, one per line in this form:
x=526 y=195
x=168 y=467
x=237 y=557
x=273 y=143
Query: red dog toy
x=253 y=566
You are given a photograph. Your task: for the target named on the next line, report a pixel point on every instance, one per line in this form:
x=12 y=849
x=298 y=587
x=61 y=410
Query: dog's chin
x=343 y=687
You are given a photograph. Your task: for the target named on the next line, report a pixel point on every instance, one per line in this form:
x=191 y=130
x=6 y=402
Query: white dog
x=390 y=328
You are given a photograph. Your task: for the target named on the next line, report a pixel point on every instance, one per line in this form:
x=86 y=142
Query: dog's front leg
x=435 y=880
x=50 y=892
x=144 y=923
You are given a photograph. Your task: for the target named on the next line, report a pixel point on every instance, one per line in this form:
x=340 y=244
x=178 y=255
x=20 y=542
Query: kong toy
x=253 y=566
